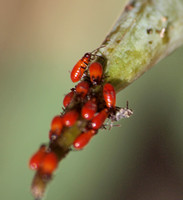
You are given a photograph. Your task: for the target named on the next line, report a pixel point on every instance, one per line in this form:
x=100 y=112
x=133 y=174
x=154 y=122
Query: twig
x=146 y=32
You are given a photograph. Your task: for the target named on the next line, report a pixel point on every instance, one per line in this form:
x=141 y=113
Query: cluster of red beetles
x=92 y=100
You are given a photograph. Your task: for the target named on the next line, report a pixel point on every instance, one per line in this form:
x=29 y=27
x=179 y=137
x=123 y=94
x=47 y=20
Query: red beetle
x=68 y=98
x=96 y=72
x=99 y=119
x=70 y=117
x=79 y=68
x=36 y=159
x=49 y=163
x=89 y=109
x=82 y=88
x=83 y=139
x=109 y=95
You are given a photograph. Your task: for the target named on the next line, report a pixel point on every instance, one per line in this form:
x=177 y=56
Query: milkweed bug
x=82 y=140
x=109 y=95
x=96 y=72
x=49 y=163
x=36 y=159
x=78 y=70
x=57 y=124
x=89 y=109
x=70 y=117
x=99 y=119
x=82 y=88
x=68 y=98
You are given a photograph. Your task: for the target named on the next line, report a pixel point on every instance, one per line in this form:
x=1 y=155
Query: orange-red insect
x=96 y=72
x=68 y=98
x=82 y=88
x=109 y=95
x=99 y=119
x=57 y=124
x=78 y=70
x=49 y=163
x=36 y=159
x=82 y=140
x=56 y=127
x=89 y=109
x=70 y=118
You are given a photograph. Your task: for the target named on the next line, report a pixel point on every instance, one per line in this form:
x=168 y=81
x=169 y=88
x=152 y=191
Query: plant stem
x=146 y=32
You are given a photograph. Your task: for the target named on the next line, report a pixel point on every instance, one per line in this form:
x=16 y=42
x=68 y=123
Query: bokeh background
x=40 y=41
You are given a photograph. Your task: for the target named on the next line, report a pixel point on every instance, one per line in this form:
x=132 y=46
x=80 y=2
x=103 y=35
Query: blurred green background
x=40 y=41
